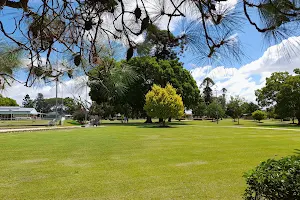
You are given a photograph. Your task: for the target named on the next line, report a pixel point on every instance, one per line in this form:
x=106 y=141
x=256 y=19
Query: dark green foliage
x=160 y=44
x=235 y=108
x=250 y=107
x=131 y=97
x=274 y=180
x=215 y=110
x=200 y=110
x=161 y=72
x=282 y=90
x=207 y=83
x=27 y=102
x=40 y=104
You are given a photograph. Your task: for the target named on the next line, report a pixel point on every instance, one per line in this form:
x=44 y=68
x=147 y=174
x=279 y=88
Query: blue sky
x=240 y=78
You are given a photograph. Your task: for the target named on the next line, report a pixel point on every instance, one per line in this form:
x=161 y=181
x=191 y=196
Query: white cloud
x=72 y=88
x=250 y=77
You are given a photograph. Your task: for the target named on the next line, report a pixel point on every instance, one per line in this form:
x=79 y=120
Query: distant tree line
x=45 y=105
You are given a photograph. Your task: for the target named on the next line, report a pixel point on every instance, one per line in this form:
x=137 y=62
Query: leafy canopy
x=5 y=101
x=259 y=115
x=274 y=179
x=164 y=102
x=235 y=107
x=215 y=110
x=282 y=90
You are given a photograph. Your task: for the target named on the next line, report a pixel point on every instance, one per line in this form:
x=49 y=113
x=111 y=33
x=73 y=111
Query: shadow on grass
x=280 y=125
x=147 y=125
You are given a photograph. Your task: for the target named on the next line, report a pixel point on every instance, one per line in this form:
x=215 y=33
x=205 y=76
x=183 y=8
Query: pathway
x=36 y=129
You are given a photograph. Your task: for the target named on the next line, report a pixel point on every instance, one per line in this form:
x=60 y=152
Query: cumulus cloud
x=74 y=88
x=250 y=77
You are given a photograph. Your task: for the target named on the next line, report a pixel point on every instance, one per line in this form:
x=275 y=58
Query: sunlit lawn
x=198 y=161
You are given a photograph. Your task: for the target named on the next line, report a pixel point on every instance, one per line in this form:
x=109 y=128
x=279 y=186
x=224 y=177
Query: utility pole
x=217 y=104
x=86 y=103
x=56 y=99
x=62 y=98
x=56 y=83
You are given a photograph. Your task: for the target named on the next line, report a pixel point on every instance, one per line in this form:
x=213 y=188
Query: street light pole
x=217 y=104
x=56 y=83
x=86 y=103
x=56 y=100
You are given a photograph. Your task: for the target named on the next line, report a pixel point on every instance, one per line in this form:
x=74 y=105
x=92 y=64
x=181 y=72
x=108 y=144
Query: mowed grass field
x=191 y=160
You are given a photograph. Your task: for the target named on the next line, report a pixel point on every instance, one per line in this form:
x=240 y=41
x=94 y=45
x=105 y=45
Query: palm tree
x=10 y=61
x=207 y=92
x=112 y=81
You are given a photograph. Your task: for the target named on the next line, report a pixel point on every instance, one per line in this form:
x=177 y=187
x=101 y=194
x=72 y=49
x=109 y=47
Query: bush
x=164 y=103
x=274 y=179
x=259 y=115
x=79 y=116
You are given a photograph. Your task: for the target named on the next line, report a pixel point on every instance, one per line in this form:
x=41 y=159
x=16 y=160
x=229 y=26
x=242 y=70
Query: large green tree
x=250 y=107
x=152 y=71
x=282 y=90
x=5 y=101
x=235 y=107
x=207 y=83
x=161 y=44
x=215 y=110
x=109 y=83
x=40 y=104
x=27 y=102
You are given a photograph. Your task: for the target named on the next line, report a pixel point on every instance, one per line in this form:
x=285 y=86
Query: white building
x=16 y=112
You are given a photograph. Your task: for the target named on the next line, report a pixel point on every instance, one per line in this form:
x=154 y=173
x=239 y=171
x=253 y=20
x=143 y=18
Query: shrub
x=79 y=116
x=274 y=179
x=164 y=103
x=259 y=115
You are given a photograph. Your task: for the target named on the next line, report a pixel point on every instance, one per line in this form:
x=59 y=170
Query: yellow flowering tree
x=164 y=103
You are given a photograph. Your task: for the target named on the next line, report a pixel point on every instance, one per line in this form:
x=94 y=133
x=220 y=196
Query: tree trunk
x=148 y=120
x=163 y=123
x=160 y=120
x=170 y=119
x=298 y=118
x=238 y=121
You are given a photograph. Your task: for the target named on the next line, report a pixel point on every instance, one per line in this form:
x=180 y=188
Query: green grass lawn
x=14 y=124
x=134 y=161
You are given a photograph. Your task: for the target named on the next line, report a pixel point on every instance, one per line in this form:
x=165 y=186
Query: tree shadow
x=147 y=125
x=280 y=125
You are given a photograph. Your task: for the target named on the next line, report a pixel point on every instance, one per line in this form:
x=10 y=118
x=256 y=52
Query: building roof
x=17 y=110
